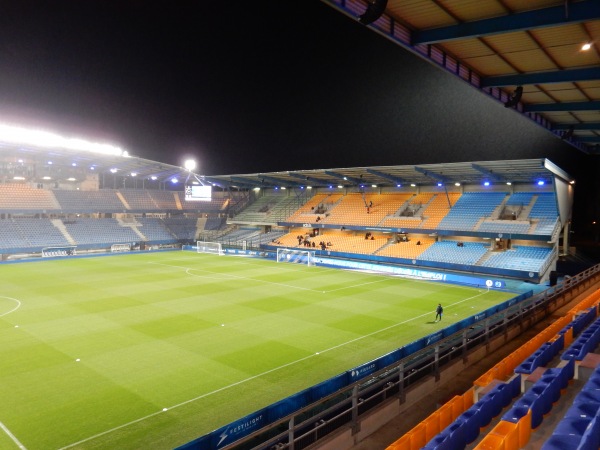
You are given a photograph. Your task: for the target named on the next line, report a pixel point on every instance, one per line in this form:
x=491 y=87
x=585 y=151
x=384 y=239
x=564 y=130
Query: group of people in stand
x=308 y=243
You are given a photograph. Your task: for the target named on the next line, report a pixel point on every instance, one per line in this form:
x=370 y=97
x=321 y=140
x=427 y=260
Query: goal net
x=116 y=248
x=296 y=256
x=51 y=252
x=209 y=247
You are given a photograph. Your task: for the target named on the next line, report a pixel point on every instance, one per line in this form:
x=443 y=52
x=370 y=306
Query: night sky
x=249 y=86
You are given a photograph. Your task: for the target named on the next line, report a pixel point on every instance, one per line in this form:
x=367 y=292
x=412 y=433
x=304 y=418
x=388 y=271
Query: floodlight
x=540 y=182
x=190 y=164
x=45 y=139
x=18 y=178
x=71 y=179
x=440 y=184
x=113 y=170
x=340 y=186
x=134 y=174
x=373 y=185
x=174 y=180
x=486 y=183
x=585 y=47
x=413 y=185
x=153 y=177
x=508 y=183
x=49 y=163
x=46 y=178
x=457 y=184
x=74 y=164
x=283 y=188
x=398 y=185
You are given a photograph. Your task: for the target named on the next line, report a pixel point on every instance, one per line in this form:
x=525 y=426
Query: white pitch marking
x=12 y=436
x=237 y=383
x=222 y=276
x=12 y=310
x=226 y=276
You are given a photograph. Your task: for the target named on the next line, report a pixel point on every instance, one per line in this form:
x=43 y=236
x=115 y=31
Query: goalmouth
x=214 y=248
x=296 y=256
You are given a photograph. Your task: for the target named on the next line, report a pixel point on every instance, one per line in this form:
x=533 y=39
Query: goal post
x=116 y=248
x=296 y=256
x=65 y=250
x=214 y=248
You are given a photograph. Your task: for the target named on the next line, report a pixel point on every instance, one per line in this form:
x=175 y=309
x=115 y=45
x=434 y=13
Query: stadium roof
x=498 y=46
x=76 y=154
x=88 y=159
x=515 y=171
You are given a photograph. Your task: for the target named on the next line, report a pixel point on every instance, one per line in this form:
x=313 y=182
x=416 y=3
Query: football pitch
x=151 y=350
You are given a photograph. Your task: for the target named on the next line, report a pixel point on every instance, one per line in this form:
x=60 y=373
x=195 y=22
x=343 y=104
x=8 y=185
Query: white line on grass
x=237 y=383
x=12 y=310
x=12 y=436
x=235 y=277
x=239 y=277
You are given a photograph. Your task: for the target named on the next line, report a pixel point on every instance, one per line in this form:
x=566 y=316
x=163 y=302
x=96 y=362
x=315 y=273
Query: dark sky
x=248 y=86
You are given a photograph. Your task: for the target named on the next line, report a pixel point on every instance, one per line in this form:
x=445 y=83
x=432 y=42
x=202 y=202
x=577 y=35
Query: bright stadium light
x=113 y=170
x=44 y=139
x=189 y=164
x=174 y=180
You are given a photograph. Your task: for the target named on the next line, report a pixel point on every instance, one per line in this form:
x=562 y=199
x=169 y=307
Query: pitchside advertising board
x=198 y=193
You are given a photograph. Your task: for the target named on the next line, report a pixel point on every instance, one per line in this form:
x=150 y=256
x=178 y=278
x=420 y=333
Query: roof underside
x=71 y=162
x=515 y=171
x=499 y=45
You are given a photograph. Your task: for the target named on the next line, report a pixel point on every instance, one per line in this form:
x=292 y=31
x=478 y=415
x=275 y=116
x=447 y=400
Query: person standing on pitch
x=438 y=312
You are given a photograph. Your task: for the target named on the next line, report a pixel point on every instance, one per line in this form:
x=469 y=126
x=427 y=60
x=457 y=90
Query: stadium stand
x=154 y=230
x=470 y=208
x=15 y=197
x=87 y=231
x=185 y=228
x=520 y=258
x=105 y=200
x=545 y=211
x=455 y=252
x=528 y=385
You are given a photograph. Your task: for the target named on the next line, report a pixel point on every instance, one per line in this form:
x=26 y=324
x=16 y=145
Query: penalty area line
x=12 y=436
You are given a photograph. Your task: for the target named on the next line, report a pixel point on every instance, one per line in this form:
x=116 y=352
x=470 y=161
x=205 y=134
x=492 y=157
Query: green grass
x=210 y=338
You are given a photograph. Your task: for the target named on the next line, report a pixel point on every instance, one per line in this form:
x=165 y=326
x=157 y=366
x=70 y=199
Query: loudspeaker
x=554 y=277
x=375 y=9
x=515 y=98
